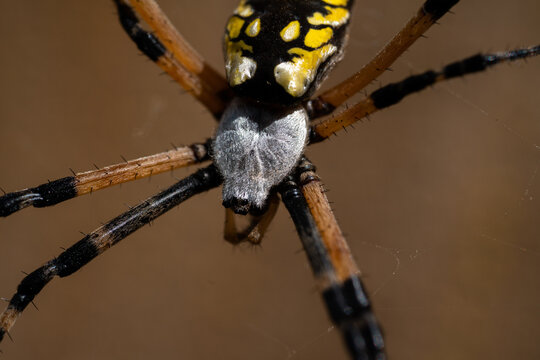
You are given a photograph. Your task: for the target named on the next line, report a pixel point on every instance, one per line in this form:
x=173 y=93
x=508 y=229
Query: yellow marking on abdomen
x=317 y=37
x=253 y=28
x=237 y=67
x=336 y=2
x=291 y=31
x=336 y=17
x=296 y=76
x=244 y=10
x=234 y=26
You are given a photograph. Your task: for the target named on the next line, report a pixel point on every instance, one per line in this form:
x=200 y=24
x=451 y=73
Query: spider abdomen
x=254 y=149
x=279 y=51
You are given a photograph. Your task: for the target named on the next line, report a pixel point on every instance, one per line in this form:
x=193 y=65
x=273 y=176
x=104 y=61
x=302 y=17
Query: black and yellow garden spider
x=257 y=330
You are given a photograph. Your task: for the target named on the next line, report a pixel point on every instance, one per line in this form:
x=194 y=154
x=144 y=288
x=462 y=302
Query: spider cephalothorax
x=255 y=147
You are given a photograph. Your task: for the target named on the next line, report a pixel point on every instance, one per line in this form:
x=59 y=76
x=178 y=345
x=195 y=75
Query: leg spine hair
x=393 y=93
x=347 y=302
x=87 y=182
x=43 y=195
x=426 y=16
x=105 y=237
x=146 y=42
x=213 y=97
x=183 y=52
x=331 y=234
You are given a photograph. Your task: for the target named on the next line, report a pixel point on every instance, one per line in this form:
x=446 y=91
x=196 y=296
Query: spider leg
x=150 y=12
x=427 y=15
x=393 y=93
x=255 y=230
x=173 y=54
x=103 y=238
x=331 y=234
x=87 y=182
x=332 y=264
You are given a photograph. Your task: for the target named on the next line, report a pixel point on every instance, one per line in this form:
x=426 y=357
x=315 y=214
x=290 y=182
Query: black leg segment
x=48 y=194
x=393 y=93
x=105 y=237
x=87 y=182
x=437 y=8
x=145 y=41
x=346 y=302
x=306 y=227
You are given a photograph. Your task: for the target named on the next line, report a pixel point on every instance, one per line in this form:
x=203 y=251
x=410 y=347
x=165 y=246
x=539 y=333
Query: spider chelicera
x=328 y=148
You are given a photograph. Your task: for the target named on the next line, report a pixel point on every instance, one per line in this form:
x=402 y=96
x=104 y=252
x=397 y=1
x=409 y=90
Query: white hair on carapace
x=255 y=147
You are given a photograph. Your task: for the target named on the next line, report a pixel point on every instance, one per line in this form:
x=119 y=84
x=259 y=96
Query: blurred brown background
x=439 y=196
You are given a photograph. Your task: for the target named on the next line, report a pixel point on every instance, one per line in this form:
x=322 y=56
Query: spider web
x=438 y=197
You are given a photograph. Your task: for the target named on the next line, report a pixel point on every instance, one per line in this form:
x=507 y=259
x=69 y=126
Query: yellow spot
x=335 y=17
x=291 y=31
x=253 y=28
x=297 y=75
x=238 y=68
x=244 y=10
x=237 y=46
x=234 y=26
x=336 y=2
x=318 y=37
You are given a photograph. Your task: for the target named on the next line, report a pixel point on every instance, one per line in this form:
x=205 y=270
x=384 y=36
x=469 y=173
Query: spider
x=154 y=228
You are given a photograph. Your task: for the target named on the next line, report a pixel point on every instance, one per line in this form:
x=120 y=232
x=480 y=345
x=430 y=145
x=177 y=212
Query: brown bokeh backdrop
x=439 y=196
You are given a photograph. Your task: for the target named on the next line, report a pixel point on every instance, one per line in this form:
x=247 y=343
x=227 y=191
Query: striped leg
x=103 y=238
x=393 y=93
x=427 y=15
x=87 y=182
x=173 y=54
x=332 y=264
